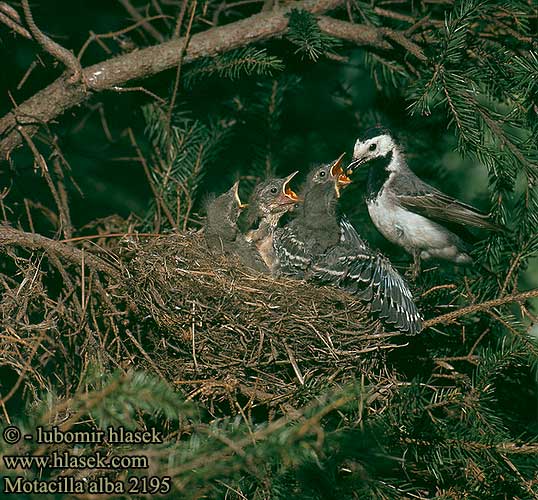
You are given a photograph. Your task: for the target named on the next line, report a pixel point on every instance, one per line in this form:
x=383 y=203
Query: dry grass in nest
x=214 y=329
x=225 y=330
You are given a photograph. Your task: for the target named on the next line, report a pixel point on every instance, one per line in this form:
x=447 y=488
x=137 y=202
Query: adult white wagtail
x=409 y=212
x=322 y=246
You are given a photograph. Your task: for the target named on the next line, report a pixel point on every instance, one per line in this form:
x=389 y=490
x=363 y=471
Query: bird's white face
x=377 y=147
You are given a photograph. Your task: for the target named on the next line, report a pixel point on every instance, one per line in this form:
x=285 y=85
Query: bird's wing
x=350 y=236
x=423 y=199
x=372 y=278
x=393 y=299
x=290 y=249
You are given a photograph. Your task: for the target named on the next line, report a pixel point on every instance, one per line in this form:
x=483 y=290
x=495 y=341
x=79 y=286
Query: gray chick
x=269 y=201
x=222 y=233
x=322 y=245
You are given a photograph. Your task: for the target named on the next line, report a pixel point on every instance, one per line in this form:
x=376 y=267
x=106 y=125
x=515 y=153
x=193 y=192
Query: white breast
x=414 y=232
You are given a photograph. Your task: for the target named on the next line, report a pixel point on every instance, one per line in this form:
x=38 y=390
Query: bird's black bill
x=354 y=165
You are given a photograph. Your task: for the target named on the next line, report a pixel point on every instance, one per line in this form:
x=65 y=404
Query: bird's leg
x=415 y=268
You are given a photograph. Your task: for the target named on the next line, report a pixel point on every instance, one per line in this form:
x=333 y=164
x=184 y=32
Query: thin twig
x=53 y=48
x=181 y=16
x=484 y=306
x=27 y=74
x=113 y=34
x=139 y=89
x=143 y=21
x=24 y=369
x=158 y=198
x=109 y=235
x=187 y=38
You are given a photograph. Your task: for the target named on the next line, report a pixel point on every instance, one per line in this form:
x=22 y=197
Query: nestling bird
x=410 y=212
x=222 y=233
x=221 y=224
x=322 y=246
x=269 y=201
x=316 y=227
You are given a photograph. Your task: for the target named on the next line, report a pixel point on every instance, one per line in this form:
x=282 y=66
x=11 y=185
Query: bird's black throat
x=377 y=175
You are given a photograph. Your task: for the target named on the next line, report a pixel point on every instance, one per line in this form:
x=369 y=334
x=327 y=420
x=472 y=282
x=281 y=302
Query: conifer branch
x=369 y=36
x=484 y=306
x=58 y=97
x=54 y=100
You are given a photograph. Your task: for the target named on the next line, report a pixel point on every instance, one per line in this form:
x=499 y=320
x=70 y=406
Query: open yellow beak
x=241 y=205
x=287 y=191
x=337 y=172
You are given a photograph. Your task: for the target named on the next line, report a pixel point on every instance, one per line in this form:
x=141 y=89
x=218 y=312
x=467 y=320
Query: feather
x=419 y=197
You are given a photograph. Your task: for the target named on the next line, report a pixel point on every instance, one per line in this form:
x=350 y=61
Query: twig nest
x=226 y=329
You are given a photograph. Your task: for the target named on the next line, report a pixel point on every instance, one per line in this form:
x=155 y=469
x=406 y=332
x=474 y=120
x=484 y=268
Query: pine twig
x=484 y=306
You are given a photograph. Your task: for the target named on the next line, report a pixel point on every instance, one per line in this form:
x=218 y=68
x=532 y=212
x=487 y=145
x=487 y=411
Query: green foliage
x=475 y=81
x=183 y=147
x=455 y=421
x=233 y=65
x=304 y=33
x=261 y=131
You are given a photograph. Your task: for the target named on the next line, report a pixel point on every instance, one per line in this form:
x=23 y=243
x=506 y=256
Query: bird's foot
x=414 y=270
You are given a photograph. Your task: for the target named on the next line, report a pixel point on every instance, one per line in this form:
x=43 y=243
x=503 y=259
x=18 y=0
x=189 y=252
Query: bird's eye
x=274 y=190
x=373 y=146
x=322 y=173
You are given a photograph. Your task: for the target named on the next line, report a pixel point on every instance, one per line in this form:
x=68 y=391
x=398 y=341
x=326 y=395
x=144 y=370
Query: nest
x=224 y=330
x=216 y=330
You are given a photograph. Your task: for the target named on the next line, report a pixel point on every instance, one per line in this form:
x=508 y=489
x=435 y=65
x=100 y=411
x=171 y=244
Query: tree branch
x=359 y=34
x=53 y=48
x=61 y=95
x=369 y=36
x=31 y=241
x=484 y=306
